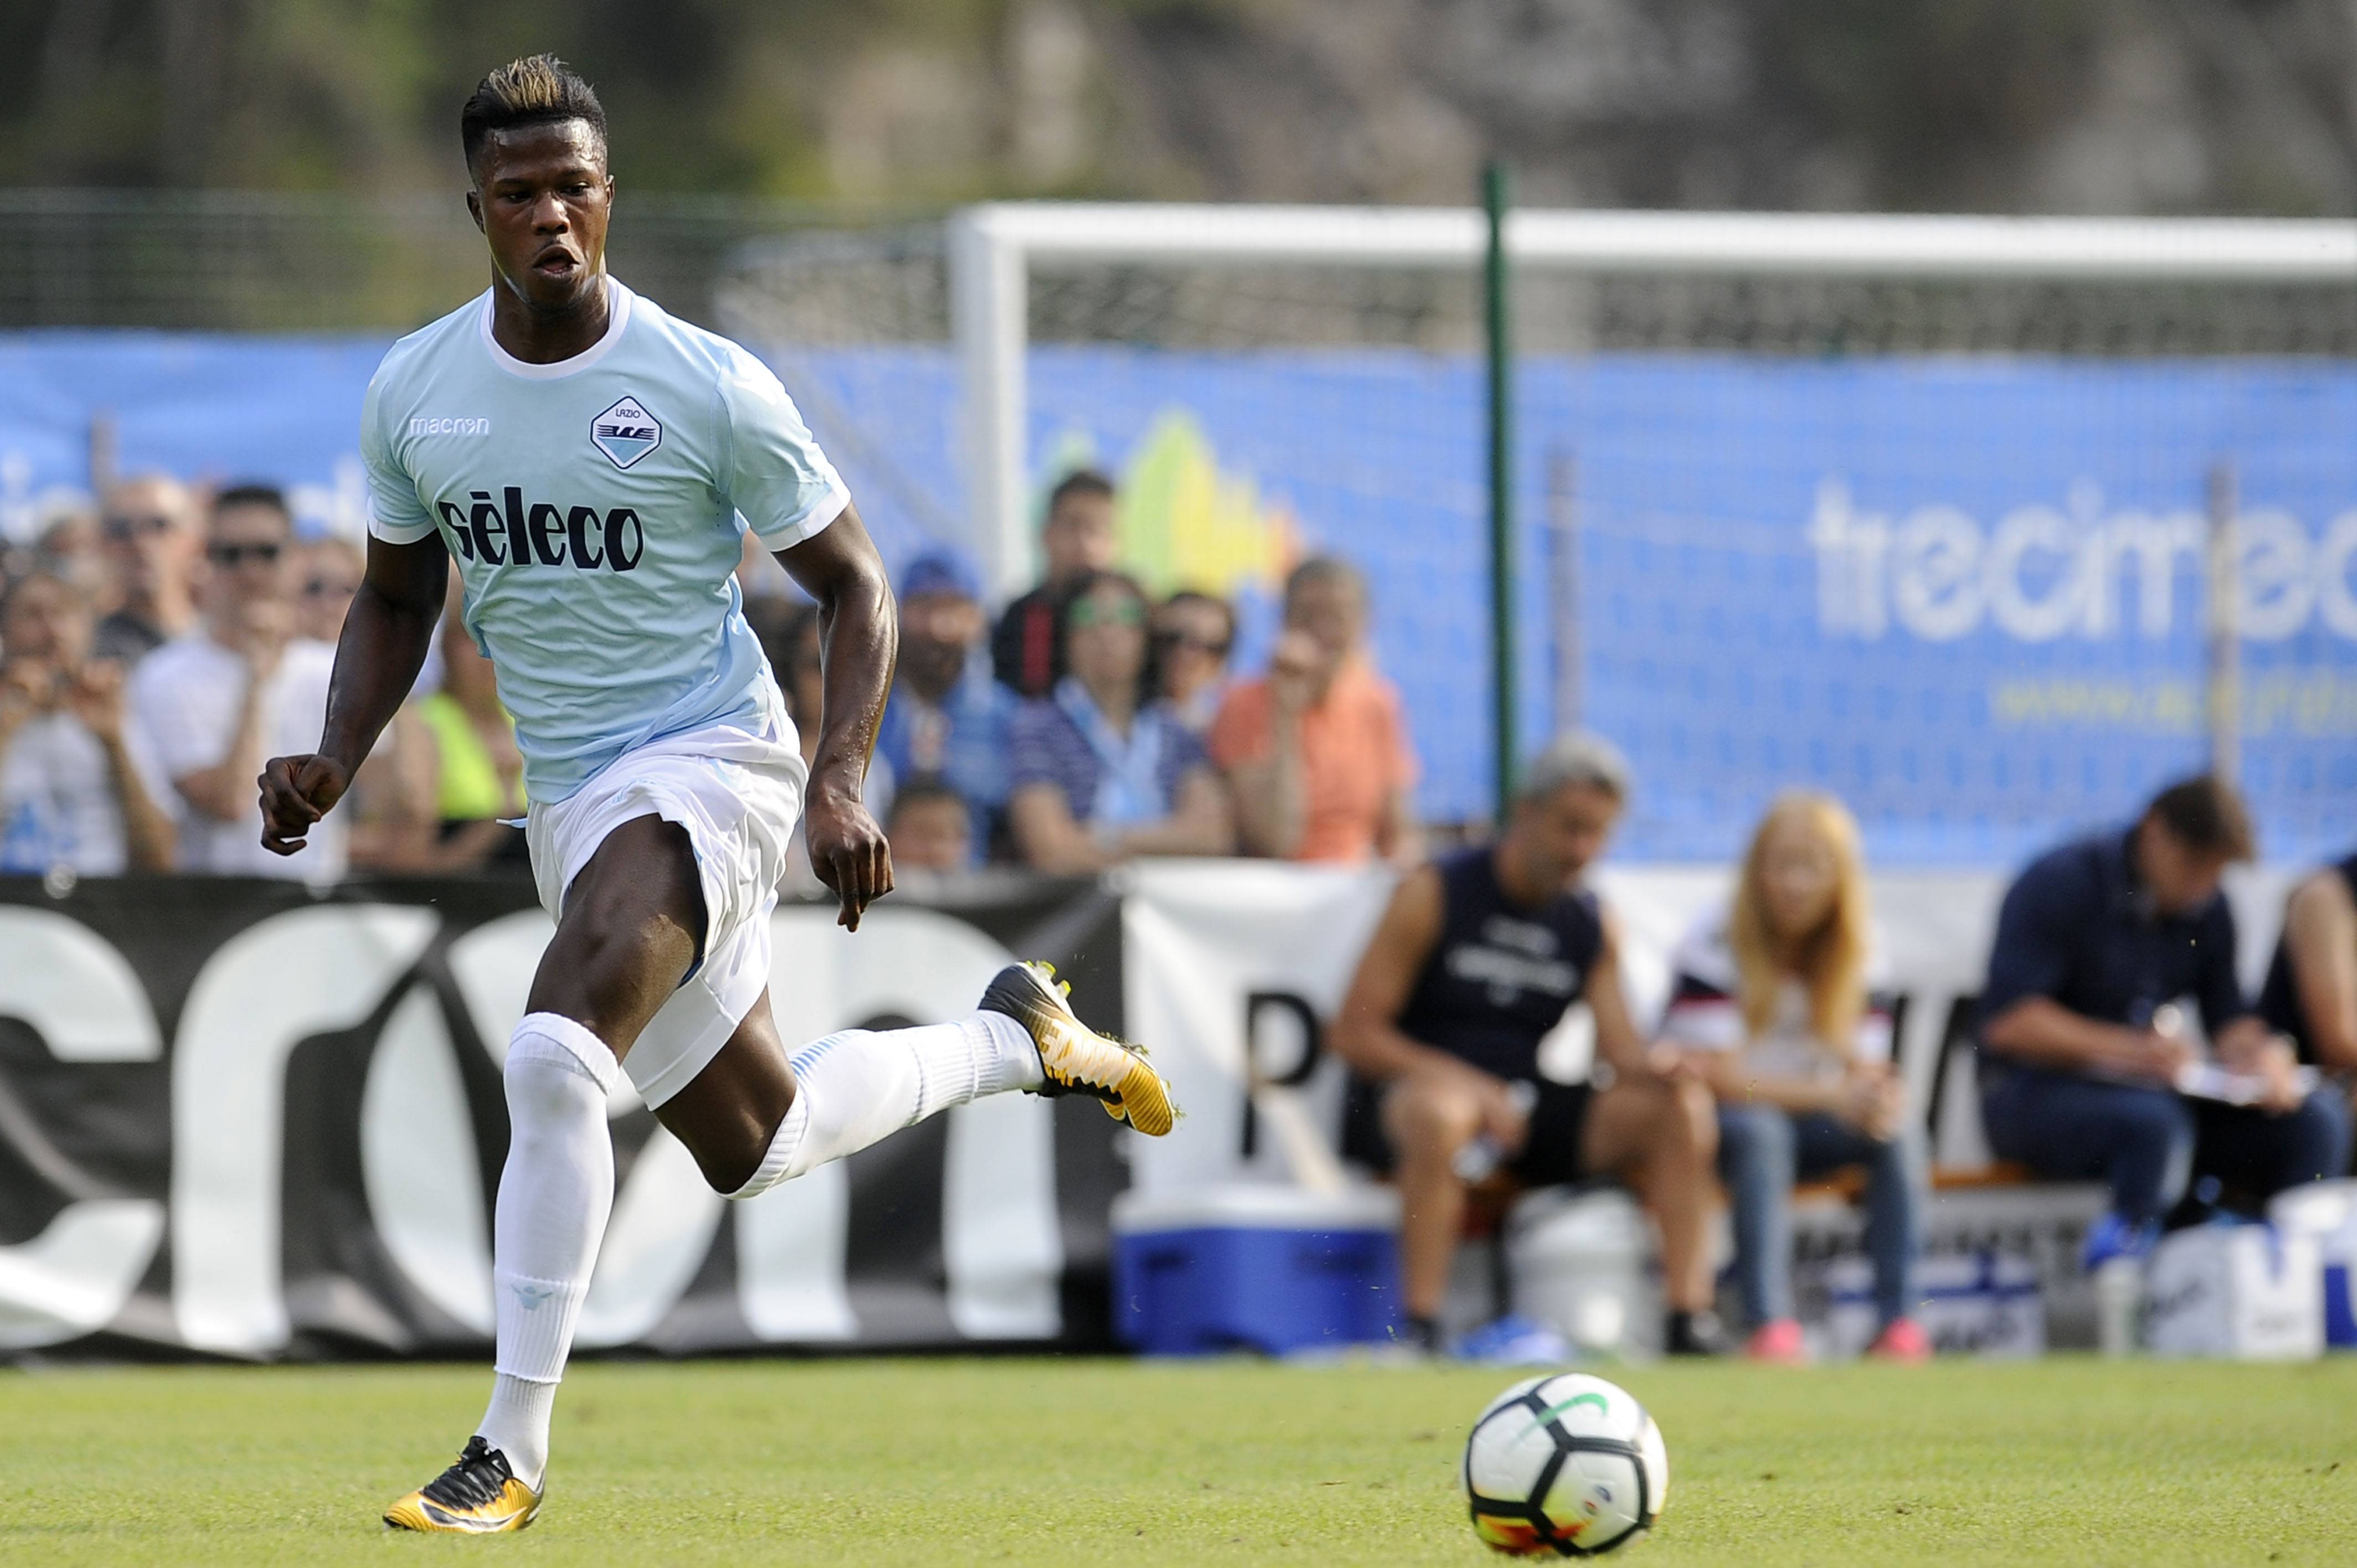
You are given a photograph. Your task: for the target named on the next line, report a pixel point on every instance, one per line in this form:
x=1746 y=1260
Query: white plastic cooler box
x=1279 y=1270
x=2246 y=1293
x=2326 y=1213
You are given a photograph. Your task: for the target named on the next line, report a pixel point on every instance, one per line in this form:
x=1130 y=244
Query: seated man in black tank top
x=2311 y=989
x=1476 y=959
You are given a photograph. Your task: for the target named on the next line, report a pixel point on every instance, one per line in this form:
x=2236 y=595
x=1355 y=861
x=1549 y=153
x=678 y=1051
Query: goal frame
x=994 y=249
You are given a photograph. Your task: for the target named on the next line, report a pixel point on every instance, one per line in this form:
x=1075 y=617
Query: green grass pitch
x=1100 y=1462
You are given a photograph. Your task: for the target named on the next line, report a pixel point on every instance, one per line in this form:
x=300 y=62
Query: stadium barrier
x=242 y=1119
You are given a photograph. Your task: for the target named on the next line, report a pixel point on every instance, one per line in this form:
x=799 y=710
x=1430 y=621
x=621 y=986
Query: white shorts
x=739 y=796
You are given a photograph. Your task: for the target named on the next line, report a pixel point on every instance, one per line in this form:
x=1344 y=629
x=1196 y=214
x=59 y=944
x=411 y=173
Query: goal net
x=1937 y=514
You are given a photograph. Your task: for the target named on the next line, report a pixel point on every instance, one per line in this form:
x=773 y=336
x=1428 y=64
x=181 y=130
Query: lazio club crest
x=626 y=432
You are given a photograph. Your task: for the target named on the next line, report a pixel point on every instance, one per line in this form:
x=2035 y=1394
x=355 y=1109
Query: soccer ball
x=1567 y=1463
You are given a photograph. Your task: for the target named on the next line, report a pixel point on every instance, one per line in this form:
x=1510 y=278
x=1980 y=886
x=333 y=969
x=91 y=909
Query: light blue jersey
x=595 y=509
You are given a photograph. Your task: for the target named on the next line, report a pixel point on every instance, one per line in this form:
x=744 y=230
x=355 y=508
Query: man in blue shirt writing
x=2086 y=1068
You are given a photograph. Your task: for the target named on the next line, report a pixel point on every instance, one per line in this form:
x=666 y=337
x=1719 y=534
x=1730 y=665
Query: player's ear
x=475 y=208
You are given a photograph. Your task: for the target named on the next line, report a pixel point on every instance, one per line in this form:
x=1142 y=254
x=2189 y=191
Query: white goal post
x=994 y=249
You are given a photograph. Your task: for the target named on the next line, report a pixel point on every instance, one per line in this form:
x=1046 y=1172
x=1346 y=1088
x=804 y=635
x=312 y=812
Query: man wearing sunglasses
x=238 y=689
x=150 y=532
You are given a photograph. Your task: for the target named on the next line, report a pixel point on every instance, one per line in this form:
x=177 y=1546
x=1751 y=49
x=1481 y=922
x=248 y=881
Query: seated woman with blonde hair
x=1772 y=997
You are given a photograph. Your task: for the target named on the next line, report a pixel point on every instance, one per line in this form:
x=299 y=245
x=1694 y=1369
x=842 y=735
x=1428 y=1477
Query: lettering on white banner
x=326 y=1078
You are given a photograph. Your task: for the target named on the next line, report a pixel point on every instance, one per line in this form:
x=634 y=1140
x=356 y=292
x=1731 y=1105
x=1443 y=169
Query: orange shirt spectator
x=1316 y=751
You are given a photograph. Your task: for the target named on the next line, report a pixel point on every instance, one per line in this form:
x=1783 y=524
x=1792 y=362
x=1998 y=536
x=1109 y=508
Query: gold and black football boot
x=1076 y=1058
x=477 y=1496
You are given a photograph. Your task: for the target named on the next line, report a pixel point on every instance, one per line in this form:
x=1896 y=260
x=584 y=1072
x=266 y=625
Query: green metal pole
x=1495 y=197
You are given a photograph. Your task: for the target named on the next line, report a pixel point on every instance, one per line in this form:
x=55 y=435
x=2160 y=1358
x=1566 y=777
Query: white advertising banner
x=239 y=1120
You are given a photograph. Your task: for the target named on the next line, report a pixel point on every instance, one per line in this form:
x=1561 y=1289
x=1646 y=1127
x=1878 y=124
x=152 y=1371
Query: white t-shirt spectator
x=1706 y=1011
x=57 y=804
x=185 y=695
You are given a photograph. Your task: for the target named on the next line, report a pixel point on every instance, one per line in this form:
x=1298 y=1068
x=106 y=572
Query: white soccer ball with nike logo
x=1569 y=1464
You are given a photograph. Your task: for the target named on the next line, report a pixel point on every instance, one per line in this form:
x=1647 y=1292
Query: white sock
x=861 y=1085
x=517 y=1424
x=555 y=1193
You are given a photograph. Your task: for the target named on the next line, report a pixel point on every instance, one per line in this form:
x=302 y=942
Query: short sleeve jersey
x=595 y=509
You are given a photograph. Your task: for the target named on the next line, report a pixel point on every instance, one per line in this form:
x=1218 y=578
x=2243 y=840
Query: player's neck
x=539 y=335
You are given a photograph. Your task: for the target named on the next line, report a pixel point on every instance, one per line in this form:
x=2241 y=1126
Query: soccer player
x=592 y=463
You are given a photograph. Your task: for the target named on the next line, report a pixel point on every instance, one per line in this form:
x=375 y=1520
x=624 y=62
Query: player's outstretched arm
x=386 y=634
x=859 y=642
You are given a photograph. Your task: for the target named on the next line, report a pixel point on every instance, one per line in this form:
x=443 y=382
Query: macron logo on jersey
x=449 y=426
x=626 y=433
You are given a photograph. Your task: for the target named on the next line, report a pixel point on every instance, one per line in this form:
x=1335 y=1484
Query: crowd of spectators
x=159 y=647
x=1093 y=722
x=150 y=657
x=155 y=651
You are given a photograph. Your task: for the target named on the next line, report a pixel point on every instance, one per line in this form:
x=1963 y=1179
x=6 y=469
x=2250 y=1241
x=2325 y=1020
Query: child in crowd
x=930 y=827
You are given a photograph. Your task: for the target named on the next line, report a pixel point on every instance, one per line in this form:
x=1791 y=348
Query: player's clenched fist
x=296 y=791
x=848 y=850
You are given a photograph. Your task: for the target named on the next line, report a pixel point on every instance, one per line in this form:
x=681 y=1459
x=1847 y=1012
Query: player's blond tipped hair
x=535 y=82
x=1830 y=961
x=537 y=89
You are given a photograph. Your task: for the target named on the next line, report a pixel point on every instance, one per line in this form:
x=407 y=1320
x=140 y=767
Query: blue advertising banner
x=1966 y=594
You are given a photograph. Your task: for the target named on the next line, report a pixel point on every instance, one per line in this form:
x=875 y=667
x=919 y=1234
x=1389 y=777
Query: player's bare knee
x=634 y=923
x=728 y=1162
x=727 y=1119
x=727 y=1140
x=612 y=974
